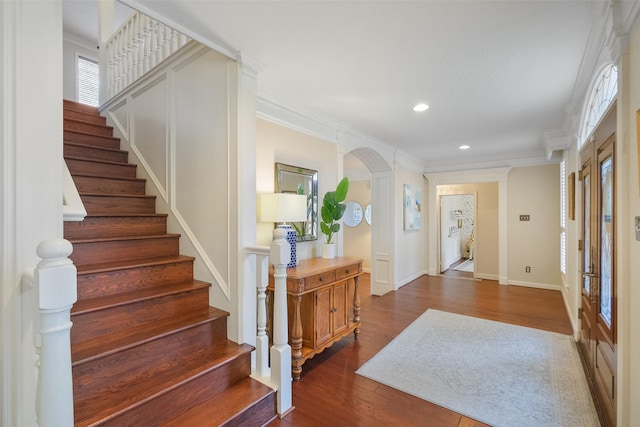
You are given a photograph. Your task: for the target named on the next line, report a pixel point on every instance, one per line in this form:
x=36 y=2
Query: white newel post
x=56 y=291
x=281 y=351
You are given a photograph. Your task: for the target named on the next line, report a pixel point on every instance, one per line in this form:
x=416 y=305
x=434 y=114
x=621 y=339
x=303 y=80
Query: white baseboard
x=536 y=285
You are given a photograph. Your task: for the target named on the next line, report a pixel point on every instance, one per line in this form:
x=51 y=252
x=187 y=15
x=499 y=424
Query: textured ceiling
x=497 y=74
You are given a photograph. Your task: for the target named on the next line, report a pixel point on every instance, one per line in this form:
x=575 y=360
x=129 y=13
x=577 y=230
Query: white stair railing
x=278 y=375
x=56 y=291
x=135 y=48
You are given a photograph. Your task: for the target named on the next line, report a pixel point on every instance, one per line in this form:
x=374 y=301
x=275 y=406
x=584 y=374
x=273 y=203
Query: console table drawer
x=350 y=270
x=320 y=279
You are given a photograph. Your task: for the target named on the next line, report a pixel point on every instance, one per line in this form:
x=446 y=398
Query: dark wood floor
x=331 y=394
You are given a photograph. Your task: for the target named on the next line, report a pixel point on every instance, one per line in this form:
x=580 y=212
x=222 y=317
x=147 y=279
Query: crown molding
x=274 y=108
x=77 y=40
x=534 y=159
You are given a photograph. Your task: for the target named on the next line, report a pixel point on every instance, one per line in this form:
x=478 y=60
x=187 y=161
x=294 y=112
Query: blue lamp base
x=291 y=238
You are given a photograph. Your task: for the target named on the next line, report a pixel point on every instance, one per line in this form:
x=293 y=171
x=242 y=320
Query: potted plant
x=332 y=211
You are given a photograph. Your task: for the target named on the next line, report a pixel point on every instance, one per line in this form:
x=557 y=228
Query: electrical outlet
x=525 y=218
x=527 y=269
x=638 y=228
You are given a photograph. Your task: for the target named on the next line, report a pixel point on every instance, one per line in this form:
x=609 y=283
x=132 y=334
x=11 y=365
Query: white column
x=281 y=351
x=56 y=291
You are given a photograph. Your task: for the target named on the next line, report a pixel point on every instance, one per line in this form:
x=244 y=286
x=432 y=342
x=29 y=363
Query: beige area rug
x=500 y=374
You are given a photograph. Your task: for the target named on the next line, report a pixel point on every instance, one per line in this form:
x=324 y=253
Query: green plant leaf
x=327 y=215
x=325 y=229
x=339 y=211
x=341 y=190
x=335 y=228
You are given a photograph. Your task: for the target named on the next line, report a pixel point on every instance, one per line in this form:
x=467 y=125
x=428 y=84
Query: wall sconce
x=282 y=208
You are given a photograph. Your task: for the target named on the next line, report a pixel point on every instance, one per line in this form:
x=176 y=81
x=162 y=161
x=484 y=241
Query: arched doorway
x=382 y=215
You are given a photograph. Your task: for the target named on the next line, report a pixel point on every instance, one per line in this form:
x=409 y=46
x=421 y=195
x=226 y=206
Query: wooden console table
x=318 y=295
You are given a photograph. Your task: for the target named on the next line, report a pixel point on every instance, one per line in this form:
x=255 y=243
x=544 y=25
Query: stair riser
x=127 y=280
x=80 y=107
x=85 y=117
x=96 y=140
x=96 y=205
x=109 y=251
x=116 y=319
x=179 y=400
x=98 y=168
x=91 y=128
x=105 y=226
x=89 y=184
x=258 y=415
x=136 y=364
x=96 y=153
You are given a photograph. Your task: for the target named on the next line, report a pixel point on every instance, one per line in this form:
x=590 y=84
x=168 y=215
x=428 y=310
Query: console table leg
x=296 y=339
x=356 y=305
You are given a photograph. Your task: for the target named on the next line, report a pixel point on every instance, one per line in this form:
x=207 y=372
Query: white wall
x=411 y=247
x=534 y=191
x=30 y=184
x=357 y=240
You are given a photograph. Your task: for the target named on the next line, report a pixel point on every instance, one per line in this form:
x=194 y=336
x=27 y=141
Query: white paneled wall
x=175 y=122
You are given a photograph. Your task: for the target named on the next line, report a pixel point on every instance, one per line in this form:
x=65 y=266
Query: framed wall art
x=412 y=207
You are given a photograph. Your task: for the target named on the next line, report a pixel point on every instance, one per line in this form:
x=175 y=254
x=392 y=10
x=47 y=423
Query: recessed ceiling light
x=421 y=107
x=464 y=147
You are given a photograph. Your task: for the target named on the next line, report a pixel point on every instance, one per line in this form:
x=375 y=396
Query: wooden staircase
x=146 y=347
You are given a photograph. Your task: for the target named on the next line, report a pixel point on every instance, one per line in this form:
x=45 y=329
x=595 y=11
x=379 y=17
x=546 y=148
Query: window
x=87 y=80
x=603 y=93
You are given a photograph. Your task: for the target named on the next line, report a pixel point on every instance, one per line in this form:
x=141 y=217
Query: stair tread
x=92 y=134
x=121 y=399
x=75 y=119
x=147 y=196
x=95 y=147
x=124 y=178
x=69 y=104
x=126 y=215
x=130 y=263
x=107 y=162
x=106 y=345
x=124 y=298
x=120 y=238
x=236 y=398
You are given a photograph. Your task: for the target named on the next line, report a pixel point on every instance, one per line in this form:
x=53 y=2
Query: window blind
x=88 y=81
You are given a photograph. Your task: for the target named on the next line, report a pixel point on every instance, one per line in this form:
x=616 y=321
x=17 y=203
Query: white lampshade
x=283 y=207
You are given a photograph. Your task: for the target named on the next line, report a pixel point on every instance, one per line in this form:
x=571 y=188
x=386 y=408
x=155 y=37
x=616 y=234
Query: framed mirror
x=353 y=214
x=297 y=180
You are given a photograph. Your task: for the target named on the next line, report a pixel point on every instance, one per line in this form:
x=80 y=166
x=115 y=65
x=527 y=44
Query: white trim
x=10 y=362
x=72 y=206
x=536 y=285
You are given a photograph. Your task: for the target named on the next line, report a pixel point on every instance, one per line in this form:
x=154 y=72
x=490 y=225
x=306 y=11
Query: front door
x=598 y=304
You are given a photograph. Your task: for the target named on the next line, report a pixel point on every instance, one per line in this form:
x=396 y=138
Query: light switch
x=638 y=228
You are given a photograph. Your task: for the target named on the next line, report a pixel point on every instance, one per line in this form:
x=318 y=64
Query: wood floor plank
x=330 y=393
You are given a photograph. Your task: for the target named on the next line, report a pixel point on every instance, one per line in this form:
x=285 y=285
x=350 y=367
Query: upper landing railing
x=135 y=48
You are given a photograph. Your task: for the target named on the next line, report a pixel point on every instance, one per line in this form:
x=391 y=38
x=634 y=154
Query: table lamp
x=282 y=208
